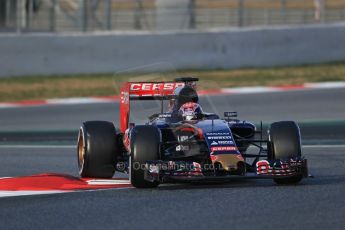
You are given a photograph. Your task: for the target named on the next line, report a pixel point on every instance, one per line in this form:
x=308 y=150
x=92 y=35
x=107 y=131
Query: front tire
x=285 y=143
x=145 y=146
x=97 y=149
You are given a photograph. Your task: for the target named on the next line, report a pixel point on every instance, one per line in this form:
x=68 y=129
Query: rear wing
x=148 y=91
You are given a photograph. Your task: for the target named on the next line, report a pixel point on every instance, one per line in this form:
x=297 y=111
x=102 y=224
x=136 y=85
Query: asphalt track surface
x=317 y=203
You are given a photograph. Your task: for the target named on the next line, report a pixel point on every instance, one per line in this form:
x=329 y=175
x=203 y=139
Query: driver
x=190 y=111
x=183 y=95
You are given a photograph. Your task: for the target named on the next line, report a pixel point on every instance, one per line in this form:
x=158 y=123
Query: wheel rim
x=81 y=151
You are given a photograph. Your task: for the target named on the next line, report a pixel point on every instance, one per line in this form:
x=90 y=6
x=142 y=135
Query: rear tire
x=285 y=143
x=97 y=149
x=145 y=146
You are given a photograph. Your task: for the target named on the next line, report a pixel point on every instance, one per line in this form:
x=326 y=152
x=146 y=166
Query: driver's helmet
x=182 y=95
x=190 y=111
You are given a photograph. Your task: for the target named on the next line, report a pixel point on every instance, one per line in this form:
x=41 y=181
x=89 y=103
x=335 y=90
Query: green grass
x=44 y=87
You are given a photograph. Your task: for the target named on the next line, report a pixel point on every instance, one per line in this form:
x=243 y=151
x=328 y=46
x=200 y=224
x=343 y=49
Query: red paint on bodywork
x=135 y=90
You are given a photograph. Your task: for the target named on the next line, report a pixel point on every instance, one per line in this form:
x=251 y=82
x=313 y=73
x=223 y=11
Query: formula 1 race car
x=186 y=144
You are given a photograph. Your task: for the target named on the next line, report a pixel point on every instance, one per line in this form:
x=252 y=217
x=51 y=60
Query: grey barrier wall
x=55 y=54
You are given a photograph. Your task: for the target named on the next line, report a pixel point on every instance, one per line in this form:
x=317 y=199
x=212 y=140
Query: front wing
x=170 y=171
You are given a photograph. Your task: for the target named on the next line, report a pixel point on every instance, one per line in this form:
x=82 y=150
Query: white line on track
x=323 y=146
x=4 y=194
x=107 y=182
x=28 y=193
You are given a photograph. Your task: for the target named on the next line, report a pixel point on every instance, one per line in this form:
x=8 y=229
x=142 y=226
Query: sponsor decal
x=182 y=138
x=225 y=142
x=223 y=148
x=165 y=115
x=219 y=138
x=124 y=97
x=230 y=114
x=214 y=143
x=154 y=86
x=218 y=134
x=182 y=148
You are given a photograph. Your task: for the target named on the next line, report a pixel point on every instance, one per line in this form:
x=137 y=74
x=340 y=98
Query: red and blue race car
x=186 y=144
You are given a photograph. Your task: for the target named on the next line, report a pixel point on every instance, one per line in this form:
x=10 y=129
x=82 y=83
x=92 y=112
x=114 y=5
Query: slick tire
x=97 y=149
x=285 y=143
x=145 y=146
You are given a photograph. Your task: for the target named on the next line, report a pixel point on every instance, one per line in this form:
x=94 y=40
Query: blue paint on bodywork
x=218 y=136
x=217 y=133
